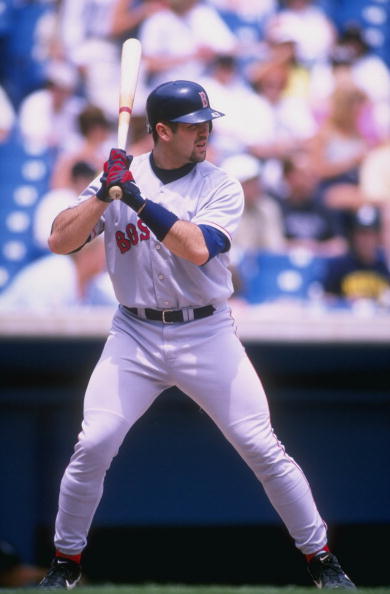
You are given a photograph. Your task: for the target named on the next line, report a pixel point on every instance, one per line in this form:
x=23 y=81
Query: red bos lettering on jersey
x=132 y=235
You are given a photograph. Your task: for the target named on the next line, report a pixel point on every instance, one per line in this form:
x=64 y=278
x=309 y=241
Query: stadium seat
x=23 y=63
x=372 y=16
x=24 y=180
x=268 y=276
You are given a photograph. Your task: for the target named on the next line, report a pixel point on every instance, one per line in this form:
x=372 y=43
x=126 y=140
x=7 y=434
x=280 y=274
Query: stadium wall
x=179 y=504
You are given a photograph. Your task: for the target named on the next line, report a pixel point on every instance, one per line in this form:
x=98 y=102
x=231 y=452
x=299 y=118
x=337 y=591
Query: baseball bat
x=130 y=63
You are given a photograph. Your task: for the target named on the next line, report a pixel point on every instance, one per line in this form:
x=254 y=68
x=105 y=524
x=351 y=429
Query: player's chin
x=198 y=155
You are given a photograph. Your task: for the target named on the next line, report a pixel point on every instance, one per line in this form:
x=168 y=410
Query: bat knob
x=115 y=193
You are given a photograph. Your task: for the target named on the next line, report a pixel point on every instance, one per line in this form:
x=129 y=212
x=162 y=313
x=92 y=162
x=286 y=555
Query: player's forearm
x=186 y=240
x=72 y=227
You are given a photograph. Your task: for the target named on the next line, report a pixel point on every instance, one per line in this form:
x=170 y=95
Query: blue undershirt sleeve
x=216 y=241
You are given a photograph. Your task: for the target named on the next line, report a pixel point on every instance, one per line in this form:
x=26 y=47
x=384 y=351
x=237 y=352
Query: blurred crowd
x=306 y=132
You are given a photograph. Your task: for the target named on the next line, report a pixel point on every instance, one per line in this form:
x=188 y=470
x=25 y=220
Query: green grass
x=182 y=589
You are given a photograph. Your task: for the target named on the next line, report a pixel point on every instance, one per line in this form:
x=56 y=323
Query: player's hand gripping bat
x=130 y=63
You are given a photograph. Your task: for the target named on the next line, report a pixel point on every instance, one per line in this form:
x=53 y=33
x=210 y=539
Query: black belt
x=170 y=316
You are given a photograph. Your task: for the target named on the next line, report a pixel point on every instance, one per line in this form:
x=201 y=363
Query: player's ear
x=163 y=131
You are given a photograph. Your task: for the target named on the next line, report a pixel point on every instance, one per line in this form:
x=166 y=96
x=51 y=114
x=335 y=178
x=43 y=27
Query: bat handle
x=115 y=192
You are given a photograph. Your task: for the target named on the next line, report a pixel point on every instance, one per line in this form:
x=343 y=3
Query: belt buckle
x=164 y=311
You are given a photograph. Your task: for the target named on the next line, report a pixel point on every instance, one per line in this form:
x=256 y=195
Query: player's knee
x=91 y=452
x=255 y=440
x=250 y=433
x=99 y=441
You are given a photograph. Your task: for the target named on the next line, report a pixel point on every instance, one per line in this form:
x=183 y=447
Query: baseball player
x=167 y=242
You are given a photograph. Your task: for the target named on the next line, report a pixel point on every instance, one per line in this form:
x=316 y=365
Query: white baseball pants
x=206 y=360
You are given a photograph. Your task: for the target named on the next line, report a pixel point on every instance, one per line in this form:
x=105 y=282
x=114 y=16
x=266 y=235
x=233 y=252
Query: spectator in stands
x=48 y=117
x=183 y=40
x=281 y=49
x=353 y=61
x=245 y=11
x=308 y=25
x=250 y=117
x=54 y=282
x=375 y=175
x=56 y=200
x=7 y=115
x=91 y=32
x=292 y=121
x=261 y=225
x=375 y=186
x=97 y=137
x=270 y=82
x=362 y=273
x=26 y=33
x=369 y=73
x=128 y=15
x=307 y=223
x=337 y=150
x=246 y=18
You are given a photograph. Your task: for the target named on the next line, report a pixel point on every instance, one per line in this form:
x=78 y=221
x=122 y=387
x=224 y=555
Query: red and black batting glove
x=116 y=173
x=117 y=161
x=102 y=191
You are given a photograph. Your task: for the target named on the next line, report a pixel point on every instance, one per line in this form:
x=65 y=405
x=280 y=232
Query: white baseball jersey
x=206 y=195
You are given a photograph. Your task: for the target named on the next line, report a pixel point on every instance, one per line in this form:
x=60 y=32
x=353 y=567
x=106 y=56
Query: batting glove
x=116 y=173
x=102 y=191
x=118 y=161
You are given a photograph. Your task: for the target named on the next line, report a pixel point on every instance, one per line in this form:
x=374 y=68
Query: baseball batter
x=167 y=242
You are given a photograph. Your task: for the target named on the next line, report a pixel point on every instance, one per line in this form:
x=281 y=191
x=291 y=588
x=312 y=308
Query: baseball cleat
x=63 y=574
x=327 y=572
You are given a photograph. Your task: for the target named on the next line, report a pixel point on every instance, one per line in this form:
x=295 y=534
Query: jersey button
x=161 y=276
x=158 y=246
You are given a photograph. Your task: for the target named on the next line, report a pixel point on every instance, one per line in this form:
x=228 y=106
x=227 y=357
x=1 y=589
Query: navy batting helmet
x=179 y=101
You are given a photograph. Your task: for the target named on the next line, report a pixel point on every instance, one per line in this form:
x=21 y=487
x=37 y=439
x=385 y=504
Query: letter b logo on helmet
x=204 y=98
x=179 y=101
